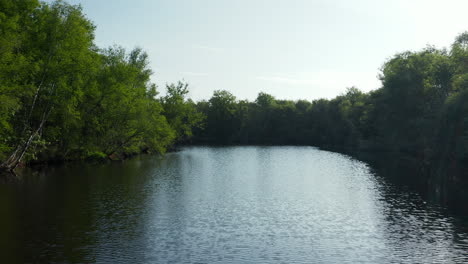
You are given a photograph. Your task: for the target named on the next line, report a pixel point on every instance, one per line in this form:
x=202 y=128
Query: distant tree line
x=420 y=110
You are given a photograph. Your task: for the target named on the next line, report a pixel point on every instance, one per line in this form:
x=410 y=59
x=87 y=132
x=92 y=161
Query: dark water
x=224 y=205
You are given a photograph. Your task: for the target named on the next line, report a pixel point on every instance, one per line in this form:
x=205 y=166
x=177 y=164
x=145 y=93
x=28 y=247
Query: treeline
x=63 y=98
x=421 y=105
x=420 y=112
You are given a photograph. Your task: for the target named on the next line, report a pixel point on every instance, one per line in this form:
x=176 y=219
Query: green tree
x=179 y=111
x=14 y=20
x=221 y=117
x=122 y=114
x=415 y=85
x=57 y=48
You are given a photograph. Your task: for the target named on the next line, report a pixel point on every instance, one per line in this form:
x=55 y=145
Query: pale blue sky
x=292 y=49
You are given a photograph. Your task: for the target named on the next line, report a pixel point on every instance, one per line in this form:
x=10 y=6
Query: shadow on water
x=409 y=205
x=408 y=172
x=60 y=213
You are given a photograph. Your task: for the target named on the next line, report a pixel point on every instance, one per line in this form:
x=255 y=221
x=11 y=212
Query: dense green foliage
x=63 y=98
x=180 y=112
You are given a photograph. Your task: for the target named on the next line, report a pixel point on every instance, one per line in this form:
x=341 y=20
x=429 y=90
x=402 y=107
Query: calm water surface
x=224 y=205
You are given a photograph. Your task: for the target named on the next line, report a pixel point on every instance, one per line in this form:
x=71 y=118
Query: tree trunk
x=15 y=158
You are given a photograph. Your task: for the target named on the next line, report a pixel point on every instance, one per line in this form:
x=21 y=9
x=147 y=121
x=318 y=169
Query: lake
x=224 y=205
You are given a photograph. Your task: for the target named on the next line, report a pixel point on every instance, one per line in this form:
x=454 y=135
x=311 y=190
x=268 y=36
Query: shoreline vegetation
x=63 y=98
